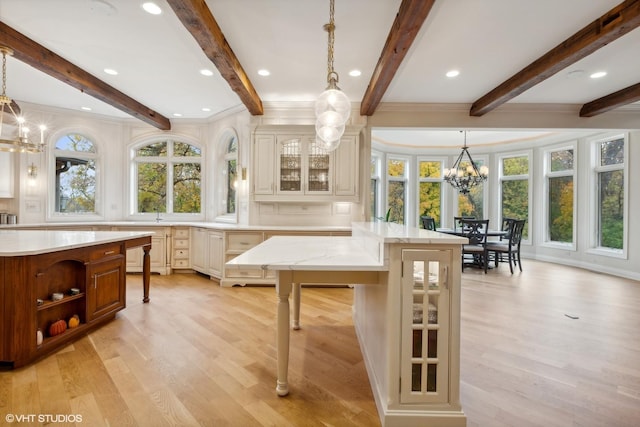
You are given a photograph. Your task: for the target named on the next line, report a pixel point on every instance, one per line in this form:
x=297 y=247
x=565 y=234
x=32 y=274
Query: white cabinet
x=180 y=251
x=207 y=252
x=288 y=165
x=216 y=253
x=158 y=254
x=7 y=187
x=199 y=253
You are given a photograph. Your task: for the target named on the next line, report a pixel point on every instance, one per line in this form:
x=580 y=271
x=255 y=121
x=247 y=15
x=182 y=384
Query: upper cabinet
x=290 y=166
x=6 y=175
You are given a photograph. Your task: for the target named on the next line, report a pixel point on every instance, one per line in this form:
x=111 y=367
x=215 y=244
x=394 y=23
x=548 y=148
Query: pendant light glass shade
x=327 y=145
x=333 y=107
x=329 y=133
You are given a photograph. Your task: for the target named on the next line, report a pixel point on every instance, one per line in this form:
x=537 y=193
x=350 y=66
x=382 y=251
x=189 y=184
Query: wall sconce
x=32 y=170
x=244 y=174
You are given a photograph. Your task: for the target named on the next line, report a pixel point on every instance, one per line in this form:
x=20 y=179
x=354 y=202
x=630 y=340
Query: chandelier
x=332 y=108
x=19 y=141
x=465 y=174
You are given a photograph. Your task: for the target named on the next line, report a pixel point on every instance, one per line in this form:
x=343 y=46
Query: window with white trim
x=230 y=173
x=472 y=203
x=560 y=215
x=430 y=189
x=374 y=196
x=167 y=178
x=514 y=188
x=609 y=172
x=75 y=189
x=396 y=189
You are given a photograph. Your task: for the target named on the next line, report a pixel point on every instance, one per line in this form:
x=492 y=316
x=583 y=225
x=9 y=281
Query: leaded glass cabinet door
x=289 y=166
x=425 y=326
x=318 y=169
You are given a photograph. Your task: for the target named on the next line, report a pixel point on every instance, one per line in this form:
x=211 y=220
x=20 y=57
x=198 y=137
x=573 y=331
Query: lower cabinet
x=106 y=293
x=159 y=242
x=206 y=252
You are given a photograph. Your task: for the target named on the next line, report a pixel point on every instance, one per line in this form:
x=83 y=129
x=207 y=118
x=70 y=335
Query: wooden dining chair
x=510 y=248
x=428 y=223
x=475 y=230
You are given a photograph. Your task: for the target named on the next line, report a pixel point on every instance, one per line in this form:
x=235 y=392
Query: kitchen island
x=406 y=311
x=51 y=276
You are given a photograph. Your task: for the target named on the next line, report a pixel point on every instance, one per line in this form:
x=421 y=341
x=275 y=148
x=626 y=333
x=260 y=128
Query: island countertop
x=34 y=242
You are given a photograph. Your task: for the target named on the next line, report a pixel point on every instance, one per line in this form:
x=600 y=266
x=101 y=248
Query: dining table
x=460 y=232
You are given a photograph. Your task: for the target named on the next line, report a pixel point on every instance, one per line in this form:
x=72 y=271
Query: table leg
x=146 y=272
x=295 y=297
x=283 y=289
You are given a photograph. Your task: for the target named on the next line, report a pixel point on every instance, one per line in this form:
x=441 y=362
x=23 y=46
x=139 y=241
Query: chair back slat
x=475 y=230
x=428 y=223
x=457 y=221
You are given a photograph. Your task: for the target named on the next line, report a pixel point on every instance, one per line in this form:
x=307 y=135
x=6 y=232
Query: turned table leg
x=283 y=289
x=146 y=272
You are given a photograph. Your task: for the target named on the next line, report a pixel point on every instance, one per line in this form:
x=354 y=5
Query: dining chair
x=511 y=248
x=428 y=223
x=457 y=221
x=475 y=230
x=506 y=227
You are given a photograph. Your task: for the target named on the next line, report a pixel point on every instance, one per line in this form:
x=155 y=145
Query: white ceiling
x=159 y=61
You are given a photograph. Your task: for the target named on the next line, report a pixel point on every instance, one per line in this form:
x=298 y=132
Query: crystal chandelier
x=19 y=141
x=465 y=174
x=333 y=108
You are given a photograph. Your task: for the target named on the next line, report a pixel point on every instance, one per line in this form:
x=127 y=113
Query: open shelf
x=67 y=298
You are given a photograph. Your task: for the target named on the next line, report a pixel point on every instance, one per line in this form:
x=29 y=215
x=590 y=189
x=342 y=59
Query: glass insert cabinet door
x=425 y=326
x=290 y=166
x=303 y=166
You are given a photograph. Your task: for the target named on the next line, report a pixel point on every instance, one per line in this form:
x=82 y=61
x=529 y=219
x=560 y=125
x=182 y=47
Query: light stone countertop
x=35 y=242
x=360 y=252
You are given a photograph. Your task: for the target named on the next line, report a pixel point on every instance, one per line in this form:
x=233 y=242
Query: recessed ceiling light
x=264 y=72
x=85 y=108
x=206 y=109
x=102 y=7
x=151 y=8
x=452 y=73
x=177 y=114
x=355 y=73
x=598 y=74
x=111 y=71
x=206 y=72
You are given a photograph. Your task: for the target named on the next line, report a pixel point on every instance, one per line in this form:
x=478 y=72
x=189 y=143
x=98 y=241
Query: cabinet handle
x=109 y=252
x=95 y=281
x=446 y=277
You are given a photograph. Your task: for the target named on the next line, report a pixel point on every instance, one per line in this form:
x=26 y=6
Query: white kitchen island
x=406 y=311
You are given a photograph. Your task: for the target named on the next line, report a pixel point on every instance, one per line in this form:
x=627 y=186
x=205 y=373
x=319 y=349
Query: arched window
x=167 y=178
x=75 y=175
x=231 y=175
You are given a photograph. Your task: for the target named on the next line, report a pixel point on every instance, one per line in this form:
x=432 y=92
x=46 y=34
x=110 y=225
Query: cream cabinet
x=207 y=253
x=180 y=250
x=288 y=165
x=158 y=255
x=7 y=187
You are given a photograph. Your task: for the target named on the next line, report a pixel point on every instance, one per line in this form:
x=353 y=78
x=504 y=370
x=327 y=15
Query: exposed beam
x=610 y=26
x=409 y=20
x=197 y=18
x=613 y=100
x=41 y=58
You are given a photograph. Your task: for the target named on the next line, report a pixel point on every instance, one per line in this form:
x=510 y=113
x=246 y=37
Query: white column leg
x=296 y=305
x=283 y=289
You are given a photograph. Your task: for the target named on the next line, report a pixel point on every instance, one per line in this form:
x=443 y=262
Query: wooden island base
x=40 y=286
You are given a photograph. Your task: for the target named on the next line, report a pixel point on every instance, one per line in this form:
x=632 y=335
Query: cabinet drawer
x=181 y=243
x=181 y=233
x=255 y=273
x=106 y=251
x=243 y=241
x=181 y=253
x=181 y=263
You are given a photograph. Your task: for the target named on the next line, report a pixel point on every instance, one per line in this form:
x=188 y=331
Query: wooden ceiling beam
x=411 y=15
x=198 y=20
x=613 y=100
x=614 y=24
x=42 y=59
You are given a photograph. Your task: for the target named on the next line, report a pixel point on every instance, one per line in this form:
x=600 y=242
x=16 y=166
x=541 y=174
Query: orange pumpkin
x=74 y=321
x=57 y=327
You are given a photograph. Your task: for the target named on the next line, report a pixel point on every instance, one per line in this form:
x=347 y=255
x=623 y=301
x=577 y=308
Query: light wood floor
x=203 y=355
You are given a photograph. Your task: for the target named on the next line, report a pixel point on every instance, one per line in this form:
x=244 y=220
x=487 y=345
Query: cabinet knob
x=109 y=252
